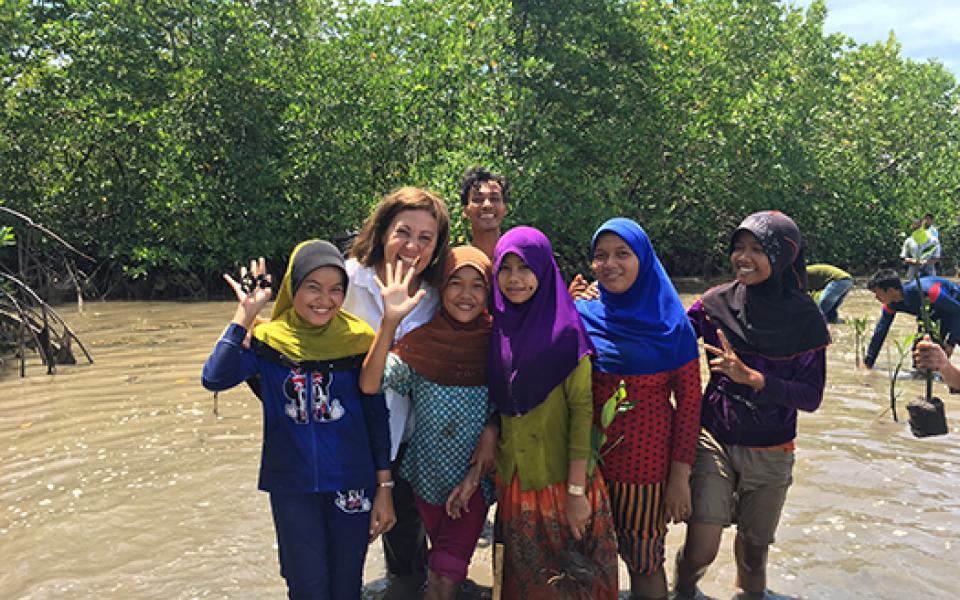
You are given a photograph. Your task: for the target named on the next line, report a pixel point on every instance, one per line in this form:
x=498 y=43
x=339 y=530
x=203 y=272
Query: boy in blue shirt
x=944 y=297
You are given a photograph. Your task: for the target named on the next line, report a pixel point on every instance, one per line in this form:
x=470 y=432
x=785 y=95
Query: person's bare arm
x=930 y=355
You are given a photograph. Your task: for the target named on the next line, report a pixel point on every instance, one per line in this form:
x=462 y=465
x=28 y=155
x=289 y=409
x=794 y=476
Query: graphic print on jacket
x=325 y=409
x=353 y=501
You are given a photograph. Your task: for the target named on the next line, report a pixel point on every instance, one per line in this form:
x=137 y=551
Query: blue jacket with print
x=320 y=432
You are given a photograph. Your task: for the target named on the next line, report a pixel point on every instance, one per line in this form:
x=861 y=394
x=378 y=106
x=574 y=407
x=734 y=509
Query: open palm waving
x=397 y=300
x=251 y=298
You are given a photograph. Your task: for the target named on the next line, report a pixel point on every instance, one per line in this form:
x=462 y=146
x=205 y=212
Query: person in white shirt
x=920 y=252
x=412 y=226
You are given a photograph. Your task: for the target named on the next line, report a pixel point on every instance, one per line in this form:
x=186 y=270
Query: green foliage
x=904 y=347
x=176 y=138
x=615 y=405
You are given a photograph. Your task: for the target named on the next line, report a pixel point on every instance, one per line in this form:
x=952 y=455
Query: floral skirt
x=541 y=559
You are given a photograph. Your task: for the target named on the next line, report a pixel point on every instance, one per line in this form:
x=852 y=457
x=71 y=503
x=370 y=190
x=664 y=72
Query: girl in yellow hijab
x=326 y=445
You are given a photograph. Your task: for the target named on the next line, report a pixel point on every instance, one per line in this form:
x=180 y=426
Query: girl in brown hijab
x=442 y=366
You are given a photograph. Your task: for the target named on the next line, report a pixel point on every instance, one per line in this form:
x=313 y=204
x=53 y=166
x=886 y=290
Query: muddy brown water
x=118 y=481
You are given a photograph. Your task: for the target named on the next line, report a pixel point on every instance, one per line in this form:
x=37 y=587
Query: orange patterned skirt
x=542 y=560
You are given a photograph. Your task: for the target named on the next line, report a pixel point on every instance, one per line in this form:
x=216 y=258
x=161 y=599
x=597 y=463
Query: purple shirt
x=735 y=414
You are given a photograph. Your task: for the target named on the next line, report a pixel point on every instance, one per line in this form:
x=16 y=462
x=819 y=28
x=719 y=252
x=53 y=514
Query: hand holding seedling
x=930 y=355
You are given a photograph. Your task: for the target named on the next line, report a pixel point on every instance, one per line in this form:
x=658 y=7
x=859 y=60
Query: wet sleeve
x=685 y=383
x=879 y=334
x=376 y=415
x=230 y=363
x=579 y=391
x=802 y=391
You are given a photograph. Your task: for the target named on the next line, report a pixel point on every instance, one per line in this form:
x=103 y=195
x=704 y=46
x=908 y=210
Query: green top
x=541 y=443
x=818 y=276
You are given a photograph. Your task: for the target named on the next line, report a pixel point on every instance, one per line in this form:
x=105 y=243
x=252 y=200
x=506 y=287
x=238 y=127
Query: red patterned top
x=655 y=433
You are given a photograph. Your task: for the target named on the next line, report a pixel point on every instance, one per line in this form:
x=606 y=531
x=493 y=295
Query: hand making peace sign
x=728 y=363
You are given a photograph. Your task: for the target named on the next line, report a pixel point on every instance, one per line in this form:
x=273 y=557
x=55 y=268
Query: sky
x=925 y=28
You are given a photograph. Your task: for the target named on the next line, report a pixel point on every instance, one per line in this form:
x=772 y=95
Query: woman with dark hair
x=769 y=344
x=411 y=226
x=408 y=224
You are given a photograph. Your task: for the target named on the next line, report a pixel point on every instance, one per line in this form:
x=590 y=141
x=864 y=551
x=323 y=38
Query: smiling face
x=411 y=235
x=465 y=295
x=485 y=207
x=614 y=263
x=516 y=279
x=750 y=263
x=320 y=295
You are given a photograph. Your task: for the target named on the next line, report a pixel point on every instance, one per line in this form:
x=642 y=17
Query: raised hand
x=581 y=289
x=397 y=300
x=253 y=291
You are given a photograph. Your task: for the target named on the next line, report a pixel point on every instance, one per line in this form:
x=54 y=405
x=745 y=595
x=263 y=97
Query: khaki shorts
x=737 y=484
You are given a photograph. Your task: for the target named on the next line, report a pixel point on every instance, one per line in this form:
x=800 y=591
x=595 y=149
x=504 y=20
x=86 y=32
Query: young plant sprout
x=859 y=325
x=926 y=325
x=615 y=404
x=903 y=350
x=927 y=415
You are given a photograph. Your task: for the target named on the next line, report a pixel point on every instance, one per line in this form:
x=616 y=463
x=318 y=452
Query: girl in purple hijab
x=554 y=522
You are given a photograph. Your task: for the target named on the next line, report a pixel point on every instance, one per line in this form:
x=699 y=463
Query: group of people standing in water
x=409 y=387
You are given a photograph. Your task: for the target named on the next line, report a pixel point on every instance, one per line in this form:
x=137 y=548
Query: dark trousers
x=322 y=546
x=405 y=546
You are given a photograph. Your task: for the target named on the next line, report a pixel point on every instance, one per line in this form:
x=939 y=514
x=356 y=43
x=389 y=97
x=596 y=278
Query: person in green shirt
x=829 y=286
x=556 y=522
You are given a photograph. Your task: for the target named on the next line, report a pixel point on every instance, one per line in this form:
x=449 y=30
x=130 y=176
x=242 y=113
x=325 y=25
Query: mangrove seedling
x=859 y=325
x=927 y=415
x=615 y=404
x=904 y=347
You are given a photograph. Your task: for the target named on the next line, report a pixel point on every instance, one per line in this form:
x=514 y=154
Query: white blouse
x=363 y=299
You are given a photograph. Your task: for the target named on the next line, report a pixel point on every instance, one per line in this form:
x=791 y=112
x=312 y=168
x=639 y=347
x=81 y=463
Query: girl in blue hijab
x=644 y=339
